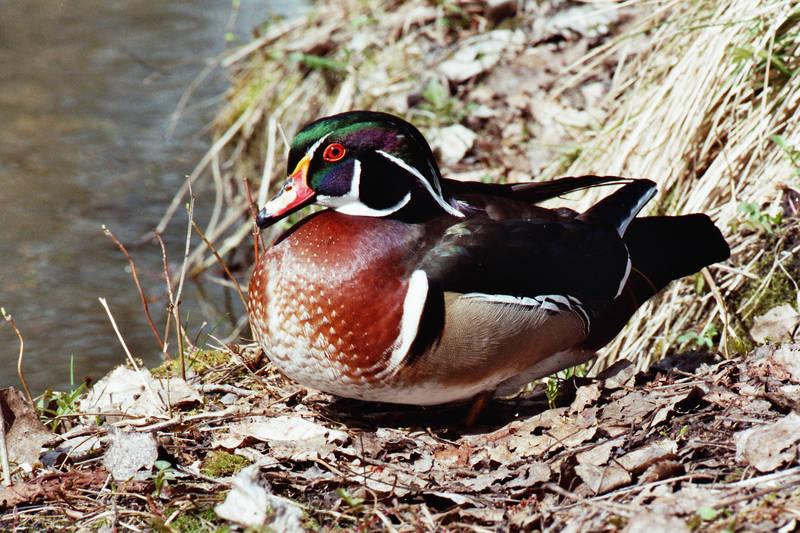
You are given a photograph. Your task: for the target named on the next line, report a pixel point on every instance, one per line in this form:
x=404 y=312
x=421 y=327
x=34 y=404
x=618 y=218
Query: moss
x=193 y=520
x=198 y=361
x=220 y=464
x=779 y=288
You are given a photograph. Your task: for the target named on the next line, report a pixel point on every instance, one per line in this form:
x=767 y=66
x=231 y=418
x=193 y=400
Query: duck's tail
x=661 y=249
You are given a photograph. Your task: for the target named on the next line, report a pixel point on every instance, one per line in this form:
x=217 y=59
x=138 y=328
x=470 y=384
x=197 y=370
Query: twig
x=179 y=291
x=254 y=214
x=4 y=451
x=156 y=399
x=201 y=166
x=219 y=196
x=138 y=285
x=10 y=320
x=285 y=139
x=169 y=293
x=187 y=93
x=723 y=309
x=221 y=262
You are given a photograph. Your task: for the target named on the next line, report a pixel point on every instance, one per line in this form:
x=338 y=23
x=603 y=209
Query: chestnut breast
x=327 y=299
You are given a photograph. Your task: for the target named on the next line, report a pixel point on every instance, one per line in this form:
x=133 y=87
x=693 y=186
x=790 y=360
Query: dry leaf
x=588 y=20
x=453 y=142
x=620 y=374
x=137 y=394
x=656 y=519
x=25 y=433
x=480 y=53
x=131 y=454
x=777 y=325
x=769 y=446
x=584 y=397
x=251 y=505
x=602 y=479
x=289 y=437
x=638 y=460
x=599 y=454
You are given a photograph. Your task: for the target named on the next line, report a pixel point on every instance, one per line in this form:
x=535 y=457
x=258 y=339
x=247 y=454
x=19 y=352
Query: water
x=87 y=91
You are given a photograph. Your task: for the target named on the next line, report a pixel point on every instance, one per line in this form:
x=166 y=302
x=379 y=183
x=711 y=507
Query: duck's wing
x=584 y=257
x=529 y=192
x=527 y=258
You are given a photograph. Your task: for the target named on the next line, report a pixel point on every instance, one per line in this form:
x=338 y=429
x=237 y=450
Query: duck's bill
x=294 y=195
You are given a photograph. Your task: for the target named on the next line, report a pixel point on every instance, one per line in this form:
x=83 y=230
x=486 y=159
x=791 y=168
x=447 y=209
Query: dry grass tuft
x=700 y=93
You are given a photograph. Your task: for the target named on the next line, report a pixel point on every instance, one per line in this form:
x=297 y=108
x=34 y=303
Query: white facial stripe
x=351 y=204
x=311 y=151
x=436 y=196
x=362 y=210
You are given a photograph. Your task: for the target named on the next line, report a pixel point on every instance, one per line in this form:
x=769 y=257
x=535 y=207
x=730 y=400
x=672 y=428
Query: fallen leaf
x=453 y=142
x=530 y=474
x=599 y=454
x=130 y=455
x=638 y=460
x=769 y=446
x=584 y=397
x=601 y=479
x=618 y=375
x=588 y=20
x=778 y=362
x=137 y=394
x=661 y=470
x=251 y=505
x=289 y=437
x=281 y=428
x=656 y=519
x=777 y=325
x=25 y=433
x=52 y=486
x=480 y=53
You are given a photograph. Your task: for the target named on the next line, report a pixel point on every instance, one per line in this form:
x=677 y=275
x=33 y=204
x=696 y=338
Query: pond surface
x=88 y=91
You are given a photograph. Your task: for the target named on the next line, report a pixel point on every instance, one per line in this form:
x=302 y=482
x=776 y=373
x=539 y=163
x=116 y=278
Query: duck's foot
x=479 y=403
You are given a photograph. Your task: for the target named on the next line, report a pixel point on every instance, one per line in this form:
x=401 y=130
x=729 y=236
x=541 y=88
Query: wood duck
x=416 y=289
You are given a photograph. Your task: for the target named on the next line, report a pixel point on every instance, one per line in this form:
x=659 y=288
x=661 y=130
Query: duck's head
x=361 y=163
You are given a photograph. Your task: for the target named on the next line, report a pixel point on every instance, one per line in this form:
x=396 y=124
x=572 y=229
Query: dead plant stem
x=254 y=215
x=4 y=451
x=222 y=263
x=179 y=291
x=169 y=293
x=10 y=320
x=131 y=360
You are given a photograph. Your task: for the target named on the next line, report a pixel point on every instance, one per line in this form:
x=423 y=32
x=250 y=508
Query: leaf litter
x=665 y=442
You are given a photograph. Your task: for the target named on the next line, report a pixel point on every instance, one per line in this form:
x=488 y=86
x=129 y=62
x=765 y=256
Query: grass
x=53 y=406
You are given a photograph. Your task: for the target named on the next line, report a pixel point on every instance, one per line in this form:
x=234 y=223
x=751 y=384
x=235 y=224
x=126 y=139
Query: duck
x=412 y=288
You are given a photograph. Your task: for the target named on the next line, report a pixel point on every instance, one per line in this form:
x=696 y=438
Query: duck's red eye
x=333 y=152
